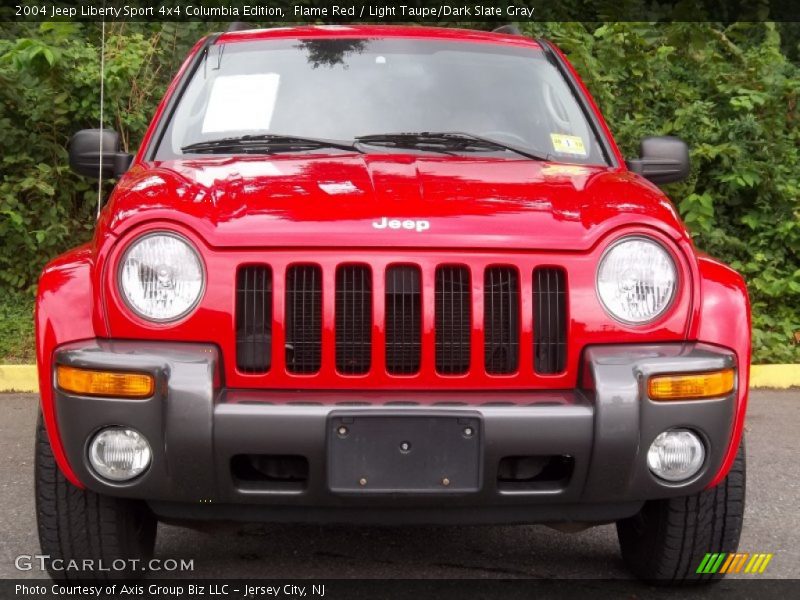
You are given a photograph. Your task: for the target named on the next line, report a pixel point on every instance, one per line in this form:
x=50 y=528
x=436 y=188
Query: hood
x=389 y=201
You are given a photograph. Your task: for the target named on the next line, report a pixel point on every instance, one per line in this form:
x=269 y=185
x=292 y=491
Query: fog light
x=119 y=453
x=676 y=455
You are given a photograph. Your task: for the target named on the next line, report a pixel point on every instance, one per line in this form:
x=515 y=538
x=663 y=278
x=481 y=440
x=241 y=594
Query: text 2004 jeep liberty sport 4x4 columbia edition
x=389 y=275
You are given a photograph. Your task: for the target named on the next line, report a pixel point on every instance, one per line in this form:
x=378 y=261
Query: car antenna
x=510 y=28
x=102 y=100
x=239 y=26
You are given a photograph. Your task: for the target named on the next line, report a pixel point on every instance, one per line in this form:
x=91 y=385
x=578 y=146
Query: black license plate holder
x=404 y=453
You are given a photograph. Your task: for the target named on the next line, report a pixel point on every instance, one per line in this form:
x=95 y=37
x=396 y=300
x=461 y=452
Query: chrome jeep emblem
x=418 y=225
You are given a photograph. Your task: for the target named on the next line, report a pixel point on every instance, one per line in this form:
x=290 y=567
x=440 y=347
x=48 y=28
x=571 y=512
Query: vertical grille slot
x=549 y=320
x=353 y=319
x=403 y=320
x=254 y=319
x=501 y=320
x=303 y=319
x=453 y=320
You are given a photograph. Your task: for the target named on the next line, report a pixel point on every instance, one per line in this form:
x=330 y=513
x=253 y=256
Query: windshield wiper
x=267 y=143
x=445 y=141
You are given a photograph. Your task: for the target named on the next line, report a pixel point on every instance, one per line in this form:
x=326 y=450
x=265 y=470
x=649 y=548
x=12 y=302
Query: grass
x=17 y=344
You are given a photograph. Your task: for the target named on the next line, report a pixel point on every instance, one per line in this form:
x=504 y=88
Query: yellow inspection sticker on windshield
x=568 y=144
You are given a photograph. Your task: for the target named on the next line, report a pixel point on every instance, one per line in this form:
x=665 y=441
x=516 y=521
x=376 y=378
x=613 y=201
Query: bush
x=48 y=90
x=731 y=92
x=732 y=95
x=16 y=330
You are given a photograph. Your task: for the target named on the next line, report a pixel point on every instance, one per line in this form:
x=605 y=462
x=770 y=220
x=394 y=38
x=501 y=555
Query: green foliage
x=730 y=91
x=16 y=329
x=732 y=95
x=49 y=88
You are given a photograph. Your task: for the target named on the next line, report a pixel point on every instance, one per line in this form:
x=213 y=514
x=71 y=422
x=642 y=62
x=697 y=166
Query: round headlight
x=119 y=453
x=161 y=277
x=636 y=280
x=676 y=455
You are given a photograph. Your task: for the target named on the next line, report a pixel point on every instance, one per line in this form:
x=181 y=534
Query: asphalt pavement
x=772 y=523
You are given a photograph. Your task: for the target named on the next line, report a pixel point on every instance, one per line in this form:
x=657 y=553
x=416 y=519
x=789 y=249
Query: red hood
x=334 y=200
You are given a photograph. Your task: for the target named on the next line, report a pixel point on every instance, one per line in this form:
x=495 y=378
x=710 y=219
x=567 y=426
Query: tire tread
x=668 y=539
x=77 y=524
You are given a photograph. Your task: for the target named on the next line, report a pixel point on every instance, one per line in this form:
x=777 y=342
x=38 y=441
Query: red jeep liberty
x=389 y=275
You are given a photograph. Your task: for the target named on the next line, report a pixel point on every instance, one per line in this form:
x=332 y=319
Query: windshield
x=344 y=89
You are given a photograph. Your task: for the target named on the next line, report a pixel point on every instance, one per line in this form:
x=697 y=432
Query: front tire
x=77 y=524
x=667 y=540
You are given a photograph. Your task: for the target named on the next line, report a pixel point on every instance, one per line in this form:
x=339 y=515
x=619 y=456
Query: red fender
x=725 y=321
x=64 y=309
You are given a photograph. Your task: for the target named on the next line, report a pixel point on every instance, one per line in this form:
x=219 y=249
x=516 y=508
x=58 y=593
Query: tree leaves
x=49 y=88
x=731 y=94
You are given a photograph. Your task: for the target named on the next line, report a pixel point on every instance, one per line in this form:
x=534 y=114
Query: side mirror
x=661 y=159
x=84 y=154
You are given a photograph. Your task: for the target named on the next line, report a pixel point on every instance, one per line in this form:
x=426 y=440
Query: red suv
x=389 y=275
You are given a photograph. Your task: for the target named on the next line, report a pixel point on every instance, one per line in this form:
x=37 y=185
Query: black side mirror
x=661 y=159
x=84 y=154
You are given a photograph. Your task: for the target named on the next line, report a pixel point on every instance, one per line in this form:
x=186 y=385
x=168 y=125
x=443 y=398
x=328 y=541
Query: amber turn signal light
x=692 y=386
x=104 y=383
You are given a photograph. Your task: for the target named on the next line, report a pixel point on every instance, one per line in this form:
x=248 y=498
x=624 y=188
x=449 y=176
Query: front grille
x=453 y=320
x=501 y=320
x=431 y=321
x=353 y=319
x=403 y=320
x=254 y=319
x=549 y=320
x=303 y=319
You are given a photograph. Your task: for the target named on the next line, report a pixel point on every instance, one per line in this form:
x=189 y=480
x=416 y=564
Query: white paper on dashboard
x=241 y=102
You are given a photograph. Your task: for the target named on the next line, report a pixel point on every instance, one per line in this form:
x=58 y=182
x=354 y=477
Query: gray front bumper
x=196 y=428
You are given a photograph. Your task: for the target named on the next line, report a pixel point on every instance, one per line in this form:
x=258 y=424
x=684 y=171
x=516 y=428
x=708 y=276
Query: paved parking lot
x=281 y=551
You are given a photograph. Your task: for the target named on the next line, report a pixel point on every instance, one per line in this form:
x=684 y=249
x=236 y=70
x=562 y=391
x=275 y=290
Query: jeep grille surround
x=353 y=319
x=453 y=320
x=403 y=320
x=303 y=319
x=254 y=319
x=425 y=320
x=501 y=320
x=549 y=320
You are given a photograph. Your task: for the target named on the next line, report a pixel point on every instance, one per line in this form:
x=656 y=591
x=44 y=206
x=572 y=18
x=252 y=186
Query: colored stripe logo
x=734 y=562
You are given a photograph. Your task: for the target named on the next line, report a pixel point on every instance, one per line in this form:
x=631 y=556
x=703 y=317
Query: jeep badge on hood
x=418 y=225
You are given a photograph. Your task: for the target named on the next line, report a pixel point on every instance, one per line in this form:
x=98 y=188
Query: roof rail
x=239 y=26
x=510 y=28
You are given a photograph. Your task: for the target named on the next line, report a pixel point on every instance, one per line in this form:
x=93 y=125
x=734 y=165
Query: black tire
x=76 y=524
x=668 y=539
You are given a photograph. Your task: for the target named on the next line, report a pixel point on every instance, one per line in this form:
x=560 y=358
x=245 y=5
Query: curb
x=18 y=378
x=23 y=378
x=774 y=376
